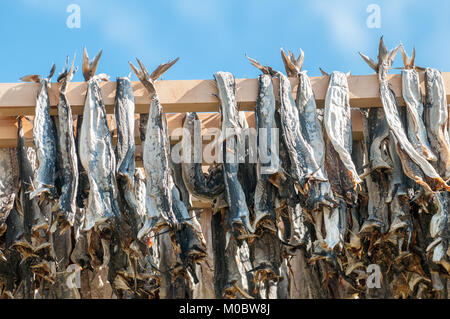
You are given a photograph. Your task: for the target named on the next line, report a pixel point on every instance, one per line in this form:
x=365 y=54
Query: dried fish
x=304 y=166
x=9 y=183
x=44 y=137
x=414 y=164
x=32 y=217
x=202 y=185
x=338 y=124
x=412 y=95
x=156 y=155
x=67 y=199
x=437 y=120
x=239 y=215
x=125 y=150
x=96 y=151
x=376 y=137
x=320 y=193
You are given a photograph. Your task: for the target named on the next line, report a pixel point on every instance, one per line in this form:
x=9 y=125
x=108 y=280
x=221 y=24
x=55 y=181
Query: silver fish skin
x=124 y=112
x=337 y=121
x=439 y=230
x=9 y=183
x=97 y=154
x=379 y=137
x=125 y=151
x=67 y=200
x=239 y=214
x=427 y=177
x=265 y=124
x=44 y=136
x=374 y=133
x=417 y=133
x=199 y=184
x=304 y=166
x=264 y=195
x=437 y=119
x=182 y=205
x=321 y=193
x=32 y=217
x=156 y=156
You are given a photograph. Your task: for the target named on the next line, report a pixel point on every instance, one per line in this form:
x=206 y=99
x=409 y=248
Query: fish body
x=238 y=211
x=199 y=184
x=67 y=146
x=32 y=217
x=9 y=183
x=125 y=151
x=44 y=136
x=304 y=166
x=124 y=113
x=156 y=156
x=416 y=130
x=265 y=124
x=414 y=164
x=97 y=156
x=337 y=122
x=437 y=120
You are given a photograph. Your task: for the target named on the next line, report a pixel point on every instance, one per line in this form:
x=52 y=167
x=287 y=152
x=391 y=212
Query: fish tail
x=90 y=67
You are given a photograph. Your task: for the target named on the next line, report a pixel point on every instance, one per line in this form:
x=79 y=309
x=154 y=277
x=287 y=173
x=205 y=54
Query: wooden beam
x=193 y=95
x=8 y=127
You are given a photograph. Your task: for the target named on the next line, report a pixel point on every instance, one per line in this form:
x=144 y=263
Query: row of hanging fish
x=319 y=211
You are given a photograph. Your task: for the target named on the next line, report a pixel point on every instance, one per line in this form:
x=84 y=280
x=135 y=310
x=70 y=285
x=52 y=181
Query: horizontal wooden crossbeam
x=191 y=95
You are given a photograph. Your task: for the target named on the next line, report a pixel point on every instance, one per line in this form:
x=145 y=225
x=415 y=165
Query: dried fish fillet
x=201 y=185
x=411 y=159
x=67 y=200
x=96 y=151
x=337 y=121
x=437 y=120
x=44 y=137
x=239 y=215
x=9 y=183
x=125 y=150
x=320 y=193
x=29 y=208
x=156 y=155
x=304 y=166
x=412 y=95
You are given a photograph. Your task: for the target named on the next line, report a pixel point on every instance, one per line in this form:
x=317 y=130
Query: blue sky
x=212 y=35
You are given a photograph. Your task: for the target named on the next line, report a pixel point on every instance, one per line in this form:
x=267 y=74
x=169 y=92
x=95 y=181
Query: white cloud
x=345 y=23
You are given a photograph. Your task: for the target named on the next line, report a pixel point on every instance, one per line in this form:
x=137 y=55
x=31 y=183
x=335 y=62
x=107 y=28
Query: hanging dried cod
x=437 y=120
x=44 y=137
x=156 y=157
x=414 y=164
x=412 y=95
x=125 y=150
x=203 y=186
x=96 y=151
x=67 y=200
x=239 y=216
x=320 y=193
x=9 y=176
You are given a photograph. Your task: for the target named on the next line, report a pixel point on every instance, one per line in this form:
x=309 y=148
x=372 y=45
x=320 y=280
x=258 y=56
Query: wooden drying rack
x=179 y=96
